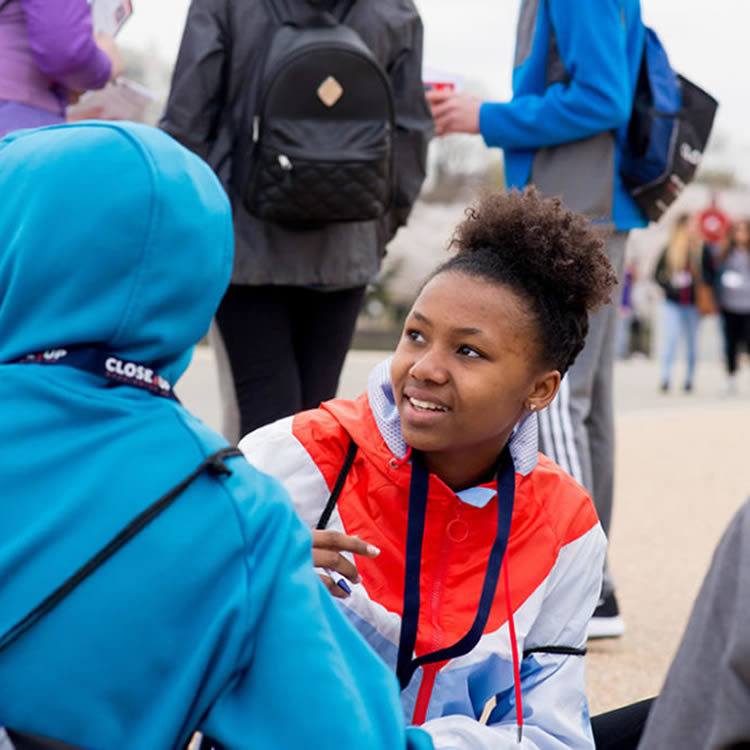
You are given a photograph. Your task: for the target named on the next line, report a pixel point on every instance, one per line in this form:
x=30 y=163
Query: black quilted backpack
x=322 y=127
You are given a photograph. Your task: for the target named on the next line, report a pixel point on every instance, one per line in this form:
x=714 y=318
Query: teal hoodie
x=212 y=617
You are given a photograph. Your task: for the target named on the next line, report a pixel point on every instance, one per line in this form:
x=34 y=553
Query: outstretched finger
x=335 y=540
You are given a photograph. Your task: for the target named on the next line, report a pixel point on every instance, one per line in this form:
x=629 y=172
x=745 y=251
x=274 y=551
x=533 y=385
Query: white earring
x=532 y=407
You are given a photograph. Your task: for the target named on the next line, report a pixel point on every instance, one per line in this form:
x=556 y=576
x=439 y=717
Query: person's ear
x=544 y=390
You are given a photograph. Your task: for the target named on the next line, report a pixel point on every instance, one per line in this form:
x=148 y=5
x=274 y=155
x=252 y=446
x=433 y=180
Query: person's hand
x=327 y=546
x=454 y=113
x=107 y=44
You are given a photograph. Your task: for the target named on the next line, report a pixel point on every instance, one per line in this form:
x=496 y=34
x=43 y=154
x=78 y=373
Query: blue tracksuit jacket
x=599 y=45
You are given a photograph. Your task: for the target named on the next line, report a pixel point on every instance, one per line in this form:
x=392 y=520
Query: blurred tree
x=458 y=166
x=149 y=68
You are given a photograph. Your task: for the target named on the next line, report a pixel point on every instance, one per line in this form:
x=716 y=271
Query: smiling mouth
x=426 y=405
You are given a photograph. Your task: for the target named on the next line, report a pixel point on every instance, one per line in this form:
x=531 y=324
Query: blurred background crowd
x=459 y=164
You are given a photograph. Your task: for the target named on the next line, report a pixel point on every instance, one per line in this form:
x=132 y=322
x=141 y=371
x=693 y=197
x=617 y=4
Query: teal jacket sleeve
x=597 y=97
x=304 y=678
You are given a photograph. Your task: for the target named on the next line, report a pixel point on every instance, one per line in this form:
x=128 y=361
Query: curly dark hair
x=552 y=257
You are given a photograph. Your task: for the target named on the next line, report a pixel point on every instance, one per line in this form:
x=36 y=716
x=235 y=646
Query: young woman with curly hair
x=479 y=561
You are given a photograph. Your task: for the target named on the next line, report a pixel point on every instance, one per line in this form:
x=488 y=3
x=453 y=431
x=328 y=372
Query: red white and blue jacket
x=420 y=603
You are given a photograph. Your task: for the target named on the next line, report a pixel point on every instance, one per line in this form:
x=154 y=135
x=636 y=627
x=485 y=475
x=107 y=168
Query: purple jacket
x=47 y=48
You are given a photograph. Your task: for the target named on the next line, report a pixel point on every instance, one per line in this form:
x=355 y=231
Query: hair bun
x=552 y=257
x=554 y=249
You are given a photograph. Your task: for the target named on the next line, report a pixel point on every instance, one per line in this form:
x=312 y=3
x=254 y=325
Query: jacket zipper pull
x=256 y=128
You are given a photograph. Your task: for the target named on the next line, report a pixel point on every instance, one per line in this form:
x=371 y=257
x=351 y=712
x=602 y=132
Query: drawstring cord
x=514 y=651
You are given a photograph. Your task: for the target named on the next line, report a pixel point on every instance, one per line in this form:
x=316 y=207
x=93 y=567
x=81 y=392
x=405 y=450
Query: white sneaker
x=606 y=621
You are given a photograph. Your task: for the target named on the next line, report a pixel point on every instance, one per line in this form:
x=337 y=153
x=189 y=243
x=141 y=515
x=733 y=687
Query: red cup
x=439 y=86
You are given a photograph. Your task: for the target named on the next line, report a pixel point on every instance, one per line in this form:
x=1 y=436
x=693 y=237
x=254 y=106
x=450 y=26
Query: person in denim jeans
x=678 y=273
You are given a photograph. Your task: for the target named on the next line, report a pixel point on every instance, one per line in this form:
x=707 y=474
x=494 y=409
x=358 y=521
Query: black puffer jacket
x=223 y=44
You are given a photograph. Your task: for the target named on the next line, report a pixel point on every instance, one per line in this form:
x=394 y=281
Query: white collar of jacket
x=524 y=441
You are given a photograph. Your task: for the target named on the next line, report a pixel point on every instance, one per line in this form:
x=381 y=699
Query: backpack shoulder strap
x=279 y=19
x=347 y=11
x=10 y=739
x=344 y=14
x=274 y=12
x=214 y=464
x=325 y=517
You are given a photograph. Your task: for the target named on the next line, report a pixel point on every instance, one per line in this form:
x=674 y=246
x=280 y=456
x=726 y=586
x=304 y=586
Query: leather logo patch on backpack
x=330 y=91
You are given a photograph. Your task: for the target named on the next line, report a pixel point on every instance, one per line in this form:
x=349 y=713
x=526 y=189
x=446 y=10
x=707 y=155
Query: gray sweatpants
x=577 y=430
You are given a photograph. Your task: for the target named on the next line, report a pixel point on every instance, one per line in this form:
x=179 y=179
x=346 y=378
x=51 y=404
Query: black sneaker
x=606 y=621
x=688 y=388
x=664 y=387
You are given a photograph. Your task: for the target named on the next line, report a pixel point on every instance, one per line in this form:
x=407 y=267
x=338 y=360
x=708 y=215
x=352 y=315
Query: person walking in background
x=732 y=284
x=679 y=273
x=285 y=325
x=576 y=69
x=49 y=55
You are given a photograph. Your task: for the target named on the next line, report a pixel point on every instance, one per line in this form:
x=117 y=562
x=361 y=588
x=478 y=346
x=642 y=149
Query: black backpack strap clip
x=215 y=462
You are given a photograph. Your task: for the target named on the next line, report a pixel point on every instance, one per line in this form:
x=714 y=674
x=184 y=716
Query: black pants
x=286 y=347
x=621 y=729
x=736 y=333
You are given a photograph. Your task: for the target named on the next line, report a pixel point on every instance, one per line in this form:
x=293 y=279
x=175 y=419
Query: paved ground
x=682 y=472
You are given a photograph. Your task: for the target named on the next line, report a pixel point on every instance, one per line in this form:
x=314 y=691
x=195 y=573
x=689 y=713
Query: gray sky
x=705 y=41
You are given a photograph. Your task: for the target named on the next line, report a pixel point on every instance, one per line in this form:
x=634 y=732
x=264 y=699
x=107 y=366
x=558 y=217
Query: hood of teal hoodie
x=116 y=236
x=112 y=235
